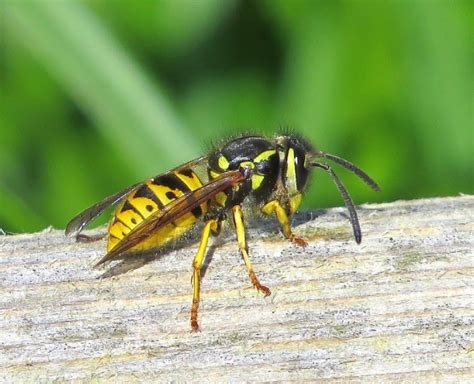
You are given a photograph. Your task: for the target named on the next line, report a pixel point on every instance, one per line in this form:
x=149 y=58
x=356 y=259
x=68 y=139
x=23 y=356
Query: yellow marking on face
x=295 y=202
x=257 y=181
x=290 y=177
x=223 y=163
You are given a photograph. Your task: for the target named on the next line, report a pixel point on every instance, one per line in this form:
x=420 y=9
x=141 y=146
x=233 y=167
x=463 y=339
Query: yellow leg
x=211 y=225
x=274 y=207
x=240 y=229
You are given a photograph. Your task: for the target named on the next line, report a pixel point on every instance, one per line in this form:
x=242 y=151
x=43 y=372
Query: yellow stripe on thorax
x=265 y=155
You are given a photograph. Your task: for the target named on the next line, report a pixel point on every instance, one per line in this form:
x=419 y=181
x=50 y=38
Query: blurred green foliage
x=96 y=95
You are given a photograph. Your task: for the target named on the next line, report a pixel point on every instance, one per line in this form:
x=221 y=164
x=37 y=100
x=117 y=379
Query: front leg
x=274 y=207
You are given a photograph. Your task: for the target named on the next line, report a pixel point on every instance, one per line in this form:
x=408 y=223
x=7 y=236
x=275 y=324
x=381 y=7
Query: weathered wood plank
x=398 y=307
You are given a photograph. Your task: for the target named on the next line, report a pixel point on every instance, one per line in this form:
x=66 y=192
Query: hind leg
x=211 y=225
x=89 y=239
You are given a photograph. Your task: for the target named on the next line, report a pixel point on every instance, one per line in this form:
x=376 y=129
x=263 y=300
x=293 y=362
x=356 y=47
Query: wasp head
x=294 y=153
x=298 y=158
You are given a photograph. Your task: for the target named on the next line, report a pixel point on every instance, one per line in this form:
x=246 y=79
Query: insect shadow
x=130 y=262
x=266 y=227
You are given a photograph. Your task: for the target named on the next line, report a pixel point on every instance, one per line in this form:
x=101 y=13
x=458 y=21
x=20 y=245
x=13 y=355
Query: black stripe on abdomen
x=126 y=206
x=171 y=181
x=147 y=193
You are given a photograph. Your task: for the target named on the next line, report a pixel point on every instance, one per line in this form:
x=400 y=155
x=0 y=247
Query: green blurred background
x=96 y=95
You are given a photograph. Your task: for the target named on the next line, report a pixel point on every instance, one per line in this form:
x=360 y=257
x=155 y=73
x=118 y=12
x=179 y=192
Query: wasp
x=271 y=172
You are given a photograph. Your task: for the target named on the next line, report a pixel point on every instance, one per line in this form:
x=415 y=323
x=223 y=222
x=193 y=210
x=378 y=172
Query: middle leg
x=240 y=229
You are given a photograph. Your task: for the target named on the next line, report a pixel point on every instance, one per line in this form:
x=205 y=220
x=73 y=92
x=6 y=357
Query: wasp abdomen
x=151 y=197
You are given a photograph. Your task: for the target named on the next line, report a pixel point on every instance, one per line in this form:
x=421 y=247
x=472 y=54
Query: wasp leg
x=89 y=239
x=240 y=229
x=211 y=225
x=274 y=207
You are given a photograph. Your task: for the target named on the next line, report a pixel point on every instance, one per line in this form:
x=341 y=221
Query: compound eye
x=301 y=171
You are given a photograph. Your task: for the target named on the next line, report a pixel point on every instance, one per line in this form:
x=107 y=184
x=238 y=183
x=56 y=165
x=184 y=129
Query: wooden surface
x=399 y=307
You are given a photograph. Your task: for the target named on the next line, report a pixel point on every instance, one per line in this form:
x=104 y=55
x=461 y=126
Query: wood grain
x=399 y=307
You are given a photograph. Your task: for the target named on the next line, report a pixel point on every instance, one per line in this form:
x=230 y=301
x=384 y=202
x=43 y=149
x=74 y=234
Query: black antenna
x=351 y=167
x=347 y=199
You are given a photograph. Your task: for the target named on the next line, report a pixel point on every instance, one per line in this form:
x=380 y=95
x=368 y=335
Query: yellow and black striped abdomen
x=154 y=195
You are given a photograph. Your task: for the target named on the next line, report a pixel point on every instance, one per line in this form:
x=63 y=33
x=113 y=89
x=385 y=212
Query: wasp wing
x=77 y=224
x=174 y=210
